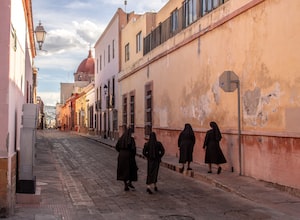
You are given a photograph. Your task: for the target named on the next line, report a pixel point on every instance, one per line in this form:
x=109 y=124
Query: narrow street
x=77 y=178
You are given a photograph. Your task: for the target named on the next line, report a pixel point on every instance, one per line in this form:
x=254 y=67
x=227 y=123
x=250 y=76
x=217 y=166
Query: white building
x=17 y=87
x=108 y=65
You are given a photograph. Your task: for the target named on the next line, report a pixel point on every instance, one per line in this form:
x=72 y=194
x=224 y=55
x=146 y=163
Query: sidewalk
x=246 y=187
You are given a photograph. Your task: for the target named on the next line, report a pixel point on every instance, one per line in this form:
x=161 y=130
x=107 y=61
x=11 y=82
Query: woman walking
x=186 y=142
x=153 y=151
x=213 y=152
x=127 y=168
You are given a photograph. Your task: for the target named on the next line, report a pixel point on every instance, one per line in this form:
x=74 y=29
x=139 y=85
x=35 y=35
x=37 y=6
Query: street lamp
x=40 y=35
x=105 y=89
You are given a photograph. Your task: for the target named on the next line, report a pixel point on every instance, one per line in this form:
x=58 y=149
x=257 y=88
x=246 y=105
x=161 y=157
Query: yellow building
x=180 y=79
x=82 y=109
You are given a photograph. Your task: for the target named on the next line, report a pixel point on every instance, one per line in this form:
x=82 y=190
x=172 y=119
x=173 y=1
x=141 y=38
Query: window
x=100 y=62
x=104 y=58
x=209 y=5
x=14 y=36
x=91 y=116
x=108 y=53
x=138 y=42
x=115 y=119
x=126 y=52
x=97 y=65
x=113 y=93
x=132 y=103
x=113 y=49
x=190 y=12
x=124 y=104
x=148 y=109
x=174 y=20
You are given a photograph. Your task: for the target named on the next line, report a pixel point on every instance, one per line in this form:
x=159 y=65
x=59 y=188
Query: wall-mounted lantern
x=40 y=35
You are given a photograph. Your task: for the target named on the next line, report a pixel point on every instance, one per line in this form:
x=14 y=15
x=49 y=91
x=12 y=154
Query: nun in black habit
x=186 y=142
x=153 y=151
x=213 y=152
x=127 y=167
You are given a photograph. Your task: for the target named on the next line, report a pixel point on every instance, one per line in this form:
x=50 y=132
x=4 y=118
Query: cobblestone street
x=77 y=179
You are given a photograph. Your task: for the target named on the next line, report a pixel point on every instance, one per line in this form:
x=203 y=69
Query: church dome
x=85 y=71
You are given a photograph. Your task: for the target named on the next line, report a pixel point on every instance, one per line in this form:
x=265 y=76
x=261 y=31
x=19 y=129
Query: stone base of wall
x=273 y=159
x=7 y=190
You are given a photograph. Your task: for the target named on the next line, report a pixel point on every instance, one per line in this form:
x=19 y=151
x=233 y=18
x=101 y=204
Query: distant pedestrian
x=213 y=152
x=186 y=142
x=153 y=151
x=127 y=167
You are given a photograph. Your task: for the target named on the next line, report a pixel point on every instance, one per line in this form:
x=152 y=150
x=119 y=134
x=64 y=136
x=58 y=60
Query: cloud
x=73 y=26
x=138 y=6
x=79 y=5
x=87 y=31
x=49 y=98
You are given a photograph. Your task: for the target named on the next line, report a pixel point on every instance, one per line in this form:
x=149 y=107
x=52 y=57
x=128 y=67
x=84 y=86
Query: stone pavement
x=243 y=186
x=75 y=185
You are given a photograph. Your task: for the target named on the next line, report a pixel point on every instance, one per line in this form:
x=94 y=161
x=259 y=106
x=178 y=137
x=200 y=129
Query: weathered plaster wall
x=261 y=47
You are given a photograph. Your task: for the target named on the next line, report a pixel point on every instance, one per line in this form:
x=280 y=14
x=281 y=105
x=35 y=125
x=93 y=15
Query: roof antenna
x=125 y=3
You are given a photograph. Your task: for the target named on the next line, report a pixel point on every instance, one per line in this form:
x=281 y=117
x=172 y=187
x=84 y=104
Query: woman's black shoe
x=149 y=191
x=219 y=170
x=155 y=188
x=126 y=188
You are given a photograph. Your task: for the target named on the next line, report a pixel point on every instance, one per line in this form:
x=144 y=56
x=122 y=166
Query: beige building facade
x=177 y=81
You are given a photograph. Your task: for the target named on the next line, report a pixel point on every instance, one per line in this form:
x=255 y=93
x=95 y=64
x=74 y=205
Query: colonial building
x=108 y=65
x=84 y=109
x=70 y=116
x=234 y=62
x=17 y=85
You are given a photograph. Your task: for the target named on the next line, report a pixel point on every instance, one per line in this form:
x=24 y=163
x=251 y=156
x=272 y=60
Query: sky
x=72 y=29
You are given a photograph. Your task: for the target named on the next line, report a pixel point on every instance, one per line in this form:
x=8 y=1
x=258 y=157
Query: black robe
x=153 y=160
x=213 y=153
x=127 y=167
x=186 y=142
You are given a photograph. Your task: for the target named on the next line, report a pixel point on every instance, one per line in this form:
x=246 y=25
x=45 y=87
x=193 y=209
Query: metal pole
x=239 y=129
x=239 y=126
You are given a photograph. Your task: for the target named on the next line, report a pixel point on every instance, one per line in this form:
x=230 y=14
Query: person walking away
x=153 y=150
x=186 y=142
x=127 y=167
x=211 y=145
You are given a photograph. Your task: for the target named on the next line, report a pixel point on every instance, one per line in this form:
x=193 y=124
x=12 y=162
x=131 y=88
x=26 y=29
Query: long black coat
x=127 y=167
x=153 y=162
x=213 y=153
x=186 y=142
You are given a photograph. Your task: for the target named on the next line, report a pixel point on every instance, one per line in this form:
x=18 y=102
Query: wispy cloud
x=72 y=27
x=50 y=98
